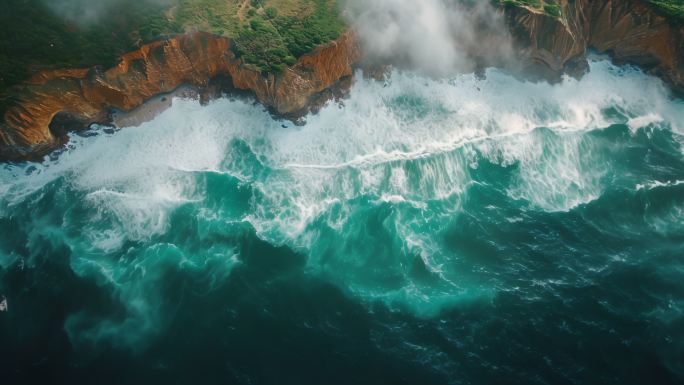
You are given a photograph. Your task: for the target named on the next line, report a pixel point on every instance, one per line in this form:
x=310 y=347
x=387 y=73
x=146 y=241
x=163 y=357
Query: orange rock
x=87 y=96
x=629 y=30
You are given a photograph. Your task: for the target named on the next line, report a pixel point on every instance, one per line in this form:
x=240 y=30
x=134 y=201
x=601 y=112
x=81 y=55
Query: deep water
x=466 y=231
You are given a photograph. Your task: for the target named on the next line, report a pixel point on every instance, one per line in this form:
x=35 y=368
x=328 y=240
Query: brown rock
x=629 y=30
x=52 y=102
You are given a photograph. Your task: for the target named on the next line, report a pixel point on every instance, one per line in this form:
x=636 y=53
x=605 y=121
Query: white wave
x=410 y=140
x=657 y=184
x=644 y=121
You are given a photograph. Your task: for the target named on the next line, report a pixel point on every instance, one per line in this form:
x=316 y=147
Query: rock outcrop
x=631 y=31
x=41 y=110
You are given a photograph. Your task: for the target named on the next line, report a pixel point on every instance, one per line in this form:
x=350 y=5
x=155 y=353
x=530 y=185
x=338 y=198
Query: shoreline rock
x=52 y=103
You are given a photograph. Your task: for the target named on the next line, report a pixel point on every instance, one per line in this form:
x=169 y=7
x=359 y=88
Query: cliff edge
x=42 y=109
x=630 y=31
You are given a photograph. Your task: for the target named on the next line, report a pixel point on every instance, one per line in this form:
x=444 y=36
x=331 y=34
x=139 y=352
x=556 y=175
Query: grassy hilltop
x=268 y=34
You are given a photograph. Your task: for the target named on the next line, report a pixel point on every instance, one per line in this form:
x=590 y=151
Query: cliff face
x=54 y=101
x=629 y=30
x=290 y=92
x=31 y=124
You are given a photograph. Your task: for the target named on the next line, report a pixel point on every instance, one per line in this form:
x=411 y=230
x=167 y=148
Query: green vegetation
x=270 y=41
x=672 y=8
x=260 y=45
x=32 y=37
x=268 y=34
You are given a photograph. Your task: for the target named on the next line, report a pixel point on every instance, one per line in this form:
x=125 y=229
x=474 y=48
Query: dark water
x=471 y=231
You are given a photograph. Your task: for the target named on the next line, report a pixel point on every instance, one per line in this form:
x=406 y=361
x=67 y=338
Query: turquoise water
x=464 y=231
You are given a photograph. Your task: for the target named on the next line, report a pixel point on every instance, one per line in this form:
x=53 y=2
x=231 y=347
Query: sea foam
x=395 y=162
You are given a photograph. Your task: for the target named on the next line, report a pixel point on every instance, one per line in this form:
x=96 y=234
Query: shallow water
x=466 y=231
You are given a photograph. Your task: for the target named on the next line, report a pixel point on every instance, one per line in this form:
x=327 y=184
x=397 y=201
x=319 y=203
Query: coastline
x=61 y=101
x=54 y=102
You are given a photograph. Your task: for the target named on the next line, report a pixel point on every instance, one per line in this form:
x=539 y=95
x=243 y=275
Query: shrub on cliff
x=270 y=42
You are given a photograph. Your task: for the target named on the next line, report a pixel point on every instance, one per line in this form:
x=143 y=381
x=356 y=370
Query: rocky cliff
x=631 y=31
x=40 y=111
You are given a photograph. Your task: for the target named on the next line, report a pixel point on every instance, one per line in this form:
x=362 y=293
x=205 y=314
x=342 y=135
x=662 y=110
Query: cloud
x=439 y=37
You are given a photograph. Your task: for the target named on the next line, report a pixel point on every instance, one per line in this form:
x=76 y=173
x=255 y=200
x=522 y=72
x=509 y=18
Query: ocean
x=470 y=230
